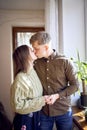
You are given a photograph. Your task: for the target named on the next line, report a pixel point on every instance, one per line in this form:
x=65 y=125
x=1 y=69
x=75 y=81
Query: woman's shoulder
x=19 y=78
x=20 y=75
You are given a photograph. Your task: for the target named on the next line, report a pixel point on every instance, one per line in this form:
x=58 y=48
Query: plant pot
x=86 y=118
x=84 y=99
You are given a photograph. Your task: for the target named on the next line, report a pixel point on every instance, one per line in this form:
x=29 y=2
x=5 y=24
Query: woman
x=26 y=91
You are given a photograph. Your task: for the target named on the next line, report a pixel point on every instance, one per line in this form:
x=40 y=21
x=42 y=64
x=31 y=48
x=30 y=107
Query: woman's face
x=32 y=54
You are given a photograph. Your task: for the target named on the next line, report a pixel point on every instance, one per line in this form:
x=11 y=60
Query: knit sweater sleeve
x=22 y=99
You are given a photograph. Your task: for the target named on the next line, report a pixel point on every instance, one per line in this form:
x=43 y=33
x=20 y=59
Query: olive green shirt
x=57 y=75
x=26 y=93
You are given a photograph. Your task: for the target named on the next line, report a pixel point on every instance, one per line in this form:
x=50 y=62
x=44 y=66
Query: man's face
x=39 y=50
x=32 y=55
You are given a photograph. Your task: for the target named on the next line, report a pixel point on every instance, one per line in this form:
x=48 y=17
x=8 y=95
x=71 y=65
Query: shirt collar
x=51 y=56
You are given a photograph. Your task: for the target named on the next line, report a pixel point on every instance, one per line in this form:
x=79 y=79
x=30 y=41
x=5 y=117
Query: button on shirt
x=57 y=75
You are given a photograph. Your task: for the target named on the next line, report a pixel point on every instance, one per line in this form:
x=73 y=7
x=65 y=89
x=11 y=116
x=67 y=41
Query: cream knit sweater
x=26 y=93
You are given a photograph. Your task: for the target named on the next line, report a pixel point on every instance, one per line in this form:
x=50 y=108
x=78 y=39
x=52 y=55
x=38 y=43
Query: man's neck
x=49 y=53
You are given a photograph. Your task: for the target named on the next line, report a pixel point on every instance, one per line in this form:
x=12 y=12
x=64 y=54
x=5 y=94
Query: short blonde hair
x=42 y=38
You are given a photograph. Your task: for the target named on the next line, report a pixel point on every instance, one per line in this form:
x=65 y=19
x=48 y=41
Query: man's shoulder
x=37 y=60
x=61 y=56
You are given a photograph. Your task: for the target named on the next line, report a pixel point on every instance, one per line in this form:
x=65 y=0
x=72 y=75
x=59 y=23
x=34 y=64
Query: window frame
x=15 y=30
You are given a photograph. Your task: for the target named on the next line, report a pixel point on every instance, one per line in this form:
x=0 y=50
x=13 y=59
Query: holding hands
x=50 y=99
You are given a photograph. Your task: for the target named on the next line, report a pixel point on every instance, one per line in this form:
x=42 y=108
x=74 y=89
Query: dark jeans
x=63 y=122
x=27 y=121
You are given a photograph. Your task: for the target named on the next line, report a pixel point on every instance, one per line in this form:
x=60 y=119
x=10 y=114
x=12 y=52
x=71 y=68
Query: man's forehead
x=35 y=44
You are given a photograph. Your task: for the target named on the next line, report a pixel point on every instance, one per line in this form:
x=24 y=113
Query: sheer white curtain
x=23 y=38
x=51 y=21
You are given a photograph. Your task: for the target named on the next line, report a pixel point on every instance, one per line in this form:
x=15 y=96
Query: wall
x=73 y=32
x=73 y=27
x=7 y=20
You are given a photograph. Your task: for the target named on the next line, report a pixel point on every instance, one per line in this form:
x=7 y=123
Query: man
x=59 y=81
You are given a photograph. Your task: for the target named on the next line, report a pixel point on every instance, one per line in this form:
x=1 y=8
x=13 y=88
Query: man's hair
x=20 y=58
x=42 y=38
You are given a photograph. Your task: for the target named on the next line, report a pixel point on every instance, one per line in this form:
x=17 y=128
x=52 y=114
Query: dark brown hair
x=20 y=58
x=42 y=38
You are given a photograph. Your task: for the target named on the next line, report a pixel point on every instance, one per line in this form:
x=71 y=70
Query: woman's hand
x=50 y=99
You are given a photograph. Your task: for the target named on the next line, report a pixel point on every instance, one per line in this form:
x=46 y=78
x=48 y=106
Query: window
x=21 y=35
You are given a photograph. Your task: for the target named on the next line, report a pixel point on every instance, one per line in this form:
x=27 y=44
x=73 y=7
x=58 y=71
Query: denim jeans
x=63 y=122
x=27 y=121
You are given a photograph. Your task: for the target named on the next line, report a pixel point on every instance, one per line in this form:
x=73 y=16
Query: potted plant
x=82 y=76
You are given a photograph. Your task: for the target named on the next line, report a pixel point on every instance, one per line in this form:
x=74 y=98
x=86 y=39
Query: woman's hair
x=21 y=59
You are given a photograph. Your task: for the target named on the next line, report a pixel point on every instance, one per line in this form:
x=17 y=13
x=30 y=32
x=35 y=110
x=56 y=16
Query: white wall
x=73 y=28
x=73 y=32
x=7 y=20
x=22 y=4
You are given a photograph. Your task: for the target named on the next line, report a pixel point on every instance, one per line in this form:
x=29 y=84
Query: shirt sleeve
x=21 y=102
x=71 y=77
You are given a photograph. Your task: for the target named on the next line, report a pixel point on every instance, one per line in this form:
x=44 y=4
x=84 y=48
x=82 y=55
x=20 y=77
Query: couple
x=39 y=104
